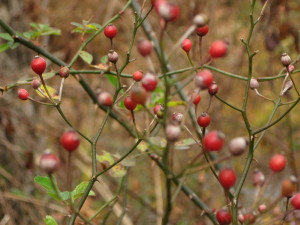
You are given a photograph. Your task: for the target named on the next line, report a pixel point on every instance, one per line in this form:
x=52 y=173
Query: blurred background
x=27 y=129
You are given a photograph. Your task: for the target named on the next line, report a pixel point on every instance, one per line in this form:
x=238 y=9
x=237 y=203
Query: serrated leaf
x=45 y=182
x=105 y=157
x=6 y=36
x=112 y=79
x=49 y=220
x=4 y=47
x=87 y=57
x=176 y=103
x=51 y=91
x=117 y=171
x=80 y=189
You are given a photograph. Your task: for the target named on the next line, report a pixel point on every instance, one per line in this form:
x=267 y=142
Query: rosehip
x=291 y=68
x=149 y=82
x=110 y=31
x=113 y=56
x=286 y=59
x=64 y=72
x=227 y=178
x=223 y=217
x=254 y=84
x=213 y=88
x=49 y=162
x=169 y=12
x=196 y=98
x=23 y=94
x=186 y=45
x=238 y=145
x=277 y=162
x=70 y=140
x=159 y=110
x=203 y=120
x=289 y=186
x=258 y=178
x=262 y=208
x=213 y=141
x=137 y=75
x=204 y=79
x=172 y=132
x=177 y=117
x=144 y=47
x=249 y=218
x=296 y=201
x=129 y=104
x=139 y=95
x=200 y=20
x=35 y=84
x=38 y=65
x=218 y=49
x=105 y=98
x=202 y=31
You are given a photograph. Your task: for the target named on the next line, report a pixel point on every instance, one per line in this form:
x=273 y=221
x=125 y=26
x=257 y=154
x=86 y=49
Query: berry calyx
x=227 y=178
x=105 y=99
x=35 y=84
x=213 y=141
x=129 y=104
x=204 y=79
x=277 y=162
x=186 y=45
x=149 y=82
x=38 y=65
x=137 y=75
x=296 y=201
x=139 y=95
x=23 y=94
x=223 y=217
x=203 y=120
x=110 y=31
x=144 y=47
x=49 y=162
x=70 y=141
x=202 y=31
x=218 y=49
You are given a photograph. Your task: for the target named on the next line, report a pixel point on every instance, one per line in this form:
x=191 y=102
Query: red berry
x=105 y=99
x=223 y=217
x=203 y=120
x=296 y=201
x=169 y=12
x=23 y=94
x=213 y=89
x=227 y=178
x=144 y=47
x=204 y=79
x=129 y=104
x=139 y=95
x=157 y=4
x=249 y=218
x=186 y=45
x=218 y=49
x=159 y=110
x=177 y=117
x=38 y=65
x=70 y=141
x=213 y=141
x=137 y=75
x=110 y=31
x=277 y=162
x=202 y=31
x=149 y=82
x=196 y=98
x=49 y=162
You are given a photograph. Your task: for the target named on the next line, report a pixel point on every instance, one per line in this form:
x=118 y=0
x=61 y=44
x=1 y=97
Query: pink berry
x=238 y=146
x=258 y=178
x=110 y=31
x=149 y=82
x=177 y=117
x=202 y=31
x=203 y=120
x=262 y=208
x=227 y=178
x=105 y=99
x=35 y=84
x=296 y=201
x=213 y=141
x=144 y=47
x=70 y=141
x=129 y=104
x=49 y=162
x=186 y=45
x=204 y=79
x=23 y=94
x=277 y=162
x=223 y=217
x=291 y=68
x=173 y=132
x=64 y=72
x=139 y=95
x=38 y=65
x=218 y=49
x=169 y=12
x=137 y=75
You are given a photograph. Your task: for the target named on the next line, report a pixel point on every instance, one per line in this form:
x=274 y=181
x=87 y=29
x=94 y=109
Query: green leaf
x=77 y=24
x=45 y=182
x=112 y=79
x=4 y=47
x=14 y=45
x=104 y=59
x=51 y=91
x=184 y=144
x=87 y=57
x=80 y=189
x=28 y=34
x=6 y=36
x=65 y=195
x=176 y=103
x=49 y=220
x=48 y=75
x=118 y=171
x=105 y=157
